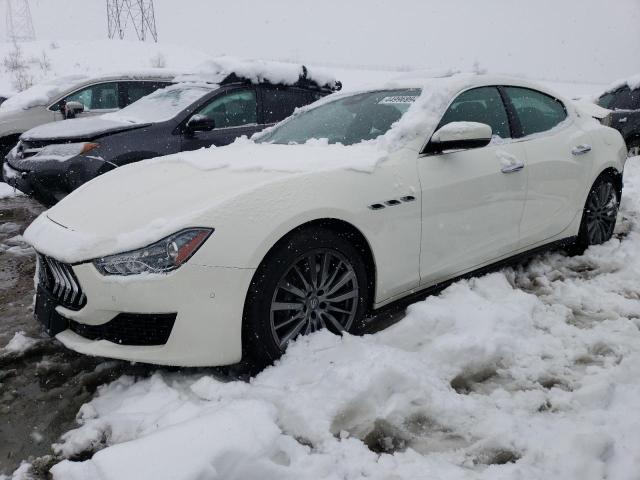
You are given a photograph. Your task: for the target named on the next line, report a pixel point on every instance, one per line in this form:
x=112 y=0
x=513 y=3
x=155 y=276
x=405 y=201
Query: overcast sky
x=581 y=40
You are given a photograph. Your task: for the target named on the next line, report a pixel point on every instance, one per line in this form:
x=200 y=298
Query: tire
x=599 y=214
x=633 y=149
x=285 y=301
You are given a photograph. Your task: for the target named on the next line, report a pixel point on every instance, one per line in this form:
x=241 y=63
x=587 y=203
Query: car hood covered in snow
x=138 y=204
x=79 y=128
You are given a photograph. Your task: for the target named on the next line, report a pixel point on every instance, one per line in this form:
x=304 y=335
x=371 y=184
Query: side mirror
x=459 y=136
x=200 y=123
x=71 y=109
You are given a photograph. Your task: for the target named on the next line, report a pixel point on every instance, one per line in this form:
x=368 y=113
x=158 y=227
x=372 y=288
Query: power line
x=19 y=22
x=139 y=14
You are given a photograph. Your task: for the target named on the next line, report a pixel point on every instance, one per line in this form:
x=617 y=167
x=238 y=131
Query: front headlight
x=66 y=149
x=160 y=257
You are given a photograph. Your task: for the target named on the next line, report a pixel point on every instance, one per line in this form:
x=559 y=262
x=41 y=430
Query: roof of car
x=225 y=70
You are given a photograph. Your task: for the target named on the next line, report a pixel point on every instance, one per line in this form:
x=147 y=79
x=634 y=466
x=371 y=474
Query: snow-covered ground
x=529 y=373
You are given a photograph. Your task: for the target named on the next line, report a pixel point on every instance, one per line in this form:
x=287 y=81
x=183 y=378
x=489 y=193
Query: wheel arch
x=343 y=227
x=615 y=175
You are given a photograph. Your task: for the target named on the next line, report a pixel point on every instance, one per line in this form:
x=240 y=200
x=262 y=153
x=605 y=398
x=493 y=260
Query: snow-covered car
x=350 y=204
x=623 y=99
x=73 y=96
x=236 y=98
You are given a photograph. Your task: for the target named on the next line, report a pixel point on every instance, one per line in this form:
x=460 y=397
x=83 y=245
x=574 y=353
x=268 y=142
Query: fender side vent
x=393 y=202
x=408 y=198
x=376 y=206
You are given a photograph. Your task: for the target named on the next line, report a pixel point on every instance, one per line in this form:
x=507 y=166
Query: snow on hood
x=41 y=93
x=76 y=128
x=257 y=71
x=150 y=192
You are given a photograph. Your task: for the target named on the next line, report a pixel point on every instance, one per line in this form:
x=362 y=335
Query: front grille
x=130 y=329
x=60 y=281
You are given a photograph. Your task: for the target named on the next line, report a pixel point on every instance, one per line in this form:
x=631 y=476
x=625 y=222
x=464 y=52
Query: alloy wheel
x=602 y=209
x=318 y=290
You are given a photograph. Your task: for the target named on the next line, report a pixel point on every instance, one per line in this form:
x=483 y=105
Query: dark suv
x=52 y=160
x=625 y=117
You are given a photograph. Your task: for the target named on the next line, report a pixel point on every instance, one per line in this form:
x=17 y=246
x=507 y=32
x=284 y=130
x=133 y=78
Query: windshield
x=161 y=105
x=348 y=120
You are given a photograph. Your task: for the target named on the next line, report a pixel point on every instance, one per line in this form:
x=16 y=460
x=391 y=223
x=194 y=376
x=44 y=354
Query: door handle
x=581 y=149
x=511 y=168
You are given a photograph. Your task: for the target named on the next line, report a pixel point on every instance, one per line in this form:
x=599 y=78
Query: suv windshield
x=161 y=105
x=348 y=120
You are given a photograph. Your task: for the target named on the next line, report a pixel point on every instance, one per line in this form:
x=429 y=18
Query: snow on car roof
x=632 y=82
x=44 y=92
x=223 y=68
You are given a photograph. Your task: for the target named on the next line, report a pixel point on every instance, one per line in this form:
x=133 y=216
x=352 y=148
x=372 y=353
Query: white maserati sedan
x=352 y=203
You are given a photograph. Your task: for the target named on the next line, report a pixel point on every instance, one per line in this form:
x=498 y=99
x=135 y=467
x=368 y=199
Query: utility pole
x=19 y=22
x=139 y=13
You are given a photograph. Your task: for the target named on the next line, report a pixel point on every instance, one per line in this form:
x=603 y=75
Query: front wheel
x=633 y=149
x=599 y=214
x=313 y=280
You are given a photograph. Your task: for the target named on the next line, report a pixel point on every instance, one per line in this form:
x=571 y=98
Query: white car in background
x=73 y=96
x=352 y=203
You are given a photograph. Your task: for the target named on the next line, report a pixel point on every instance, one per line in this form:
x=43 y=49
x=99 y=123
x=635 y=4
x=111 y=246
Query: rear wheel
x=314 y=279
x=599 y=214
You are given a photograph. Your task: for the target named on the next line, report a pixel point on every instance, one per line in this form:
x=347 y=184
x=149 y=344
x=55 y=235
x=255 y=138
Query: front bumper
x=208 y=302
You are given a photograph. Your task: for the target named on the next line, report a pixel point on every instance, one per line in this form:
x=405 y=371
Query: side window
x=626 y=99
x=483 y=105
x=537 y=111
x=103 y=96
x=133 y=91
x=606 y=99
x=279 y=103
x=232 y=109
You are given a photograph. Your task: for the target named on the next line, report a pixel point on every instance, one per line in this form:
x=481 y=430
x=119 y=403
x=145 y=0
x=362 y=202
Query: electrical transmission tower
x=138 y=13
x=19 y=23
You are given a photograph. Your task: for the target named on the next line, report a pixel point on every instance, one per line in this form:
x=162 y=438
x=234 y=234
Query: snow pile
x=527 y=373
x=257 y=71
x=7 y=191
x=20 y=343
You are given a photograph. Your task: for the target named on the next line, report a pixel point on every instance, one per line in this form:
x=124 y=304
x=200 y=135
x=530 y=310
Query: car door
x=234 y=113
x=97 y=99
x=472 y=200
x=558 y=154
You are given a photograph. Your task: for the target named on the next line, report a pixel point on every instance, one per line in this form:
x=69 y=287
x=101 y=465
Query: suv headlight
x=160 y=257
x=66 y=149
